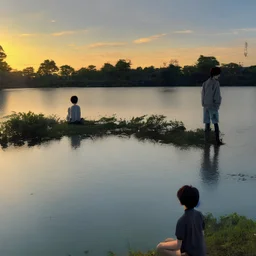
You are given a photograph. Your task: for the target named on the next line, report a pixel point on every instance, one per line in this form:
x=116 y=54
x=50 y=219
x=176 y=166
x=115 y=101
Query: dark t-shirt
x=189 y=229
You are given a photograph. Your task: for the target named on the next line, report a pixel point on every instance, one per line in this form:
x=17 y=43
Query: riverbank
x=31 y=128
x=231 y=235
x=112 y=85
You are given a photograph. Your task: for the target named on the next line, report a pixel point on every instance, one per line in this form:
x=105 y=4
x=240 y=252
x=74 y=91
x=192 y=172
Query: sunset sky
x=149 y=32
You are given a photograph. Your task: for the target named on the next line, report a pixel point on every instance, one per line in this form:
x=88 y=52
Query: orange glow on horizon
x=22 y=54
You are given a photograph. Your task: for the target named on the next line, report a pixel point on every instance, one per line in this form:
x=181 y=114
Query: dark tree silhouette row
x=122 y=74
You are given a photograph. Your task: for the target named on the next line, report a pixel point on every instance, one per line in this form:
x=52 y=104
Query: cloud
x=236 y=31
x=68 y=32
x=106 y=44
x=144 y=40
x=184 y=32
x=53 y=21
x=57 y=34
x=27 y=35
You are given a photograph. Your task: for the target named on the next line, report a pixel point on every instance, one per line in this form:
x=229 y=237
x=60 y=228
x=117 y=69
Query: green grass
x=20 y=128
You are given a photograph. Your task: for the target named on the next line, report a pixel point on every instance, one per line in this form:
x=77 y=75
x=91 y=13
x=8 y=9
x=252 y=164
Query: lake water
x=70 y=196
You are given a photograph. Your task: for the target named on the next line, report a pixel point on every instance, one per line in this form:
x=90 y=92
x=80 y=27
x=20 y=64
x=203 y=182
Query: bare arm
x=171 y=245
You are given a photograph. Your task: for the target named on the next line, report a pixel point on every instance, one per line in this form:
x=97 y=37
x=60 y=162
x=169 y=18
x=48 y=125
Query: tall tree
x=150 y=69
x=174 y=62
x=66 y=70
x=91 y=68
x=205 y=63
x=2 y=54
x=29 y=72
x=123 y=65
x=189 y=70
x=171 y=75
x=3 y=64
x=232 y=68
x=48 y=67
x=107 y=67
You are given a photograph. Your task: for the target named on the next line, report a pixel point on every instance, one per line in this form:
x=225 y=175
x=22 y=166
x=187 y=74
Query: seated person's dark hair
x=74 y=99
x=188 y=196
x=215 y=71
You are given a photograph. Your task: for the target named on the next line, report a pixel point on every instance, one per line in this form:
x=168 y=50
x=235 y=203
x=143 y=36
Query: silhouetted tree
x=28 y=72
x=48 y=67
x=2 y=54
x=121 y=74
x=204 y=64
x=66 y=70
x=107 y=67
x=91 y=68
x=3 y=64
x=171 y=75
x=123 y=65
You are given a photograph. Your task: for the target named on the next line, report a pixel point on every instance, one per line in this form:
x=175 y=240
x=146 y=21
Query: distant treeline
x=122 y=74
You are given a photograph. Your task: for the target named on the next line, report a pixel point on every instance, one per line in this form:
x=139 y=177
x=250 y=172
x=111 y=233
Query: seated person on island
x=74 y=112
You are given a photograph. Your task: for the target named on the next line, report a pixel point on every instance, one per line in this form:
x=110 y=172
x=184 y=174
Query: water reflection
x=3 y=99
x=49 y=96
x=210 y=166
x=75 y=141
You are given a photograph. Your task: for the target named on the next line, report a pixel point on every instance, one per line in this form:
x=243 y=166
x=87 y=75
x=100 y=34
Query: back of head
x=188 y=196
x=74 y=99
x=216 y=71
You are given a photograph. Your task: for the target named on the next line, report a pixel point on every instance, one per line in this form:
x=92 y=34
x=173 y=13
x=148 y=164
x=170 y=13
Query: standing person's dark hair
x=211 y=100
x=216 y=71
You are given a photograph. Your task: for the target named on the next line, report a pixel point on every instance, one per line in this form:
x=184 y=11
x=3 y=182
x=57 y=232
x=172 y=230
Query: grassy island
x=21 y=128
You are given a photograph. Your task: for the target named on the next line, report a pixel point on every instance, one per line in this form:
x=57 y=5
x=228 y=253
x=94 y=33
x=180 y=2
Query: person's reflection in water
x=3 y=101
x=75 y=141
x=210 y=167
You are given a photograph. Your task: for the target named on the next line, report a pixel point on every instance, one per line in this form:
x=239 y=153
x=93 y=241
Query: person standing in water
x=211 y=101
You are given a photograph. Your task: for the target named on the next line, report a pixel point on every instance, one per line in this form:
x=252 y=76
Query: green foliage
x=28 y=72
x=231 y=235
x=123 y=65
x=66 y=70
x=48 y=67
x=20 y=127
x=139 y=253
x=91 y=68
x=2 y=54
x=30 y=127
x=204 y=64
x=107 y=67
x=3 y=64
